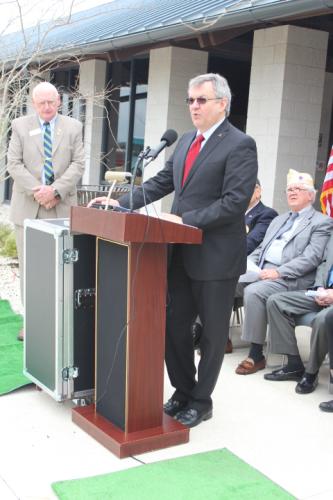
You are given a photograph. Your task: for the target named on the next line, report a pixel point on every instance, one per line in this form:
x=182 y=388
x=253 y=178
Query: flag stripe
x=326 y=197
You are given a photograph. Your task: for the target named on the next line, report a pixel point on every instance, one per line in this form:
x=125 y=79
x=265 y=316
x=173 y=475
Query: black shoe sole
x=205 y=417
x=284 y=378
x=300 y=390
x=326 y=409
x=173 y=411
x=208 y=416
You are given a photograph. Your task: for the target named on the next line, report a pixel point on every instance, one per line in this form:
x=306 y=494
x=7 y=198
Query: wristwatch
x=56 y=194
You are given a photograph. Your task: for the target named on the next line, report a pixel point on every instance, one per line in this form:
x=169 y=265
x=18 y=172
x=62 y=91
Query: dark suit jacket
x=257 y=221
x=214 y=198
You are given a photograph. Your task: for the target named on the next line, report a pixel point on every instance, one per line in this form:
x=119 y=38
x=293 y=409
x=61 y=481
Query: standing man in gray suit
x=282 y=309
x=212 y=172
x=288 y=257
x=46 y=161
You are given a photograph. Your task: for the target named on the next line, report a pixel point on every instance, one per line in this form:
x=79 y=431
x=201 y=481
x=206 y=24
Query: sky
x=35 y=11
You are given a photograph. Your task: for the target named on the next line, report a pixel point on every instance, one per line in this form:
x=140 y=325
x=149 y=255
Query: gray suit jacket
x=214 y=198
x=25 y=161
x=303 y=252
x=325 y=266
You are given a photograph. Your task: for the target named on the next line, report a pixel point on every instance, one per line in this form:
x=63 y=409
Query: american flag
x=326 y=197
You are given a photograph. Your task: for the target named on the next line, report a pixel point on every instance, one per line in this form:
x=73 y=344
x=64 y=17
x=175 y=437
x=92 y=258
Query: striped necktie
x=283 y=229
x=287 y=225
x=48 y=167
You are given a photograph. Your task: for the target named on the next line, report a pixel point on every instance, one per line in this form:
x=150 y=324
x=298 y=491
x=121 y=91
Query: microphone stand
x=107 y=203
x=142 y=156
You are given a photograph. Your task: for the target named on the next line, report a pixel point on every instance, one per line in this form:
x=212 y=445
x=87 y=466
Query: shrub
x=7 y=241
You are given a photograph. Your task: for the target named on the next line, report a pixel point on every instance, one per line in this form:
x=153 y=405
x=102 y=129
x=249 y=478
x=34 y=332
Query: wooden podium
x=131 y=270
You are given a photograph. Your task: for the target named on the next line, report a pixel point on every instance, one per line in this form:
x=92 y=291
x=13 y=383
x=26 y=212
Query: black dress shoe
x=327 y=406
x=229 y=347
x=173 y=406
x=282 y=374
x=305 y=386
x=196 y=333
x=20 y=335
x=192 y=417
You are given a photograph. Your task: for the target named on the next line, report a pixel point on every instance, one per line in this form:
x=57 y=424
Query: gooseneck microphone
x=149 y=154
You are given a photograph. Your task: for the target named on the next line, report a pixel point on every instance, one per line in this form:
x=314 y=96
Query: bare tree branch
x=28 y=64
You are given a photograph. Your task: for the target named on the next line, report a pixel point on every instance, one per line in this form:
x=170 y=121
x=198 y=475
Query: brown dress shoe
x=228 y=347
x=248 y=366
x=20 y=335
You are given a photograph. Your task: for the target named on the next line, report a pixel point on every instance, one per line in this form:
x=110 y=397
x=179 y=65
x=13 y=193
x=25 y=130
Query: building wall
x=285 y=102
x=325 y=134
x=170 y=70
x=92 y=84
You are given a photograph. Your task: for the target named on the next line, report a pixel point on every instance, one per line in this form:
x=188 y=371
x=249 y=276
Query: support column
x=92 y=84
x=3 y=144
x=324 y=143
x=285 y=101
x=36 y=78
x=170 y=70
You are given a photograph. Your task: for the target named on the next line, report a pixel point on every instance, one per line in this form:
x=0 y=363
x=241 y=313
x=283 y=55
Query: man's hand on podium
x=102 y=200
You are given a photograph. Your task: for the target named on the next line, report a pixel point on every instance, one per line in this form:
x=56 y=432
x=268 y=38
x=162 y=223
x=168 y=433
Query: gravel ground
x=9 y=273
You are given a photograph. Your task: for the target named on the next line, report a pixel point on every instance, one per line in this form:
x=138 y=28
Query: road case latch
x=70 y=372
x=85 y=298
x=70 y=255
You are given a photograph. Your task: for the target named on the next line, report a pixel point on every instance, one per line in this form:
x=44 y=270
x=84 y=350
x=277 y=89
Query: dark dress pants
x=213 y=301
x=329 y=333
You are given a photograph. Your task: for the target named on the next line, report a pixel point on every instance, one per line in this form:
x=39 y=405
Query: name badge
x=36 y=131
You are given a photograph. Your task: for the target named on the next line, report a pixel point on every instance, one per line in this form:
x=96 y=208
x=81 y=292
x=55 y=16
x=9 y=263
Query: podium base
x=122 y=444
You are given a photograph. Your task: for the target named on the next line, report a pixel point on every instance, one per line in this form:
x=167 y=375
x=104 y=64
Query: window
x=124 y=123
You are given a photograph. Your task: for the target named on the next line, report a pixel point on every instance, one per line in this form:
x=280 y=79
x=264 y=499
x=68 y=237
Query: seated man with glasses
x=288 y=256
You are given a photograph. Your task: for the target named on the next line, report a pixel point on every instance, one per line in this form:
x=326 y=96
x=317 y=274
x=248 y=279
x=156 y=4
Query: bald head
x=43 y=87
x=46 y=100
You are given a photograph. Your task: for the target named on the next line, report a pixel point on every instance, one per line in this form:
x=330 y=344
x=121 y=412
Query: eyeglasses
x=200 y=100
x=295 y=190
x=46 y=103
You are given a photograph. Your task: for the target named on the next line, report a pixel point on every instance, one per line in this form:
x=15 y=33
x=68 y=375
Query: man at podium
x=212 y=173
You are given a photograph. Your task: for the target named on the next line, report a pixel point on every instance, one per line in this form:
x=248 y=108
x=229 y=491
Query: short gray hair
x=313 y=191
x=220 y=86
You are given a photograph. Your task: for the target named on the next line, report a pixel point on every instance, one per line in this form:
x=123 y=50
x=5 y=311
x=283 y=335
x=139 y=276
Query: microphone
x=114 y=175
x=168 y=138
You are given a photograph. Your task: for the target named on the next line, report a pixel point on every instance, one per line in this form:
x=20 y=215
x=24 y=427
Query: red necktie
x=191 y=155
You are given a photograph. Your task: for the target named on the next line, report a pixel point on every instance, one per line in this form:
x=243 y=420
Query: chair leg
x=237 y=317
x=268 y=352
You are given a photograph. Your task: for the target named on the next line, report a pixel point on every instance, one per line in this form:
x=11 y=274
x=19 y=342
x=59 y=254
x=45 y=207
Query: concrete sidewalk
x=282 y=434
